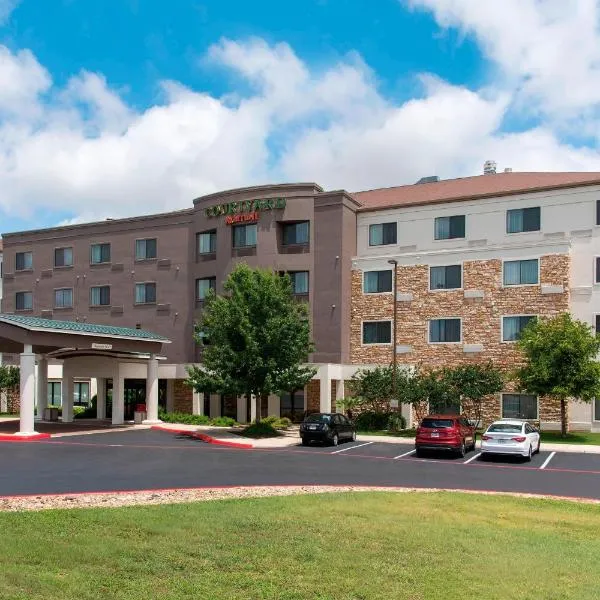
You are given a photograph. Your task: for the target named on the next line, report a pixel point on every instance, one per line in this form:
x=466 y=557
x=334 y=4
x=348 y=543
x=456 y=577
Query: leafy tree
x=561 y=361
x=258 y=334
x=10 y=379
x=371 y=389
x=471 y=384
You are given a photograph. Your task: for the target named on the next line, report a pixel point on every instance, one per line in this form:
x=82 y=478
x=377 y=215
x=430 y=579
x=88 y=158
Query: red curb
x=34 y=437
x=204 y=437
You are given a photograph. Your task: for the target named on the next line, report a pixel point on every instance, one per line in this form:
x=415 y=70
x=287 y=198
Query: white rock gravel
x=136 y=498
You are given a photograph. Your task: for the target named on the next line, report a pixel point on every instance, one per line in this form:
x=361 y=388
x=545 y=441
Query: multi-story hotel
x=464 y=263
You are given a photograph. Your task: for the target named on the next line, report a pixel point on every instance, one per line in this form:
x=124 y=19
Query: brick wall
x=183 y=397
x=313 y=396
x=481 y=318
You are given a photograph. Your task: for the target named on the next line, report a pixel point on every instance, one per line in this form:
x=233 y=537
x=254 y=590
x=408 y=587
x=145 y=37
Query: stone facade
x=481 y=304
x=313 y=396
x=183 y=397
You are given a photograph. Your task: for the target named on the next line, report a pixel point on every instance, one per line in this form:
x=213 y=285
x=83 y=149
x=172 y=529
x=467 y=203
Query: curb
x=209 y=439
x=34 y=437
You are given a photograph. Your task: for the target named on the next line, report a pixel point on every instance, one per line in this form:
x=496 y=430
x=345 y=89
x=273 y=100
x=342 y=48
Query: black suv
x=330 y=428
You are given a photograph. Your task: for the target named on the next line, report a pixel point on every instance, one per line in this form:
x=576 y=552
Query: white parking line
x=351 y=448
x=548 y=460
x=405 y=454
x=472 y=459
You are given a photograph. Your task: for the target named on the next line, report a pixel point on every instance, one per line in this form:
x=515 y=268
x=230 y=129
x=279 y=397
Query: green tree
x=258 y=337
x=10 y=379
x=371 y=389
x=561 y=361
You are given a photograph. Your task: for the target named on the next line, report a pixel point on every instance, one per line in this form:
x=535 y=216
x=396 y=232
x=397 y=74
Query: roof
x=37 y=324
x=471 y=188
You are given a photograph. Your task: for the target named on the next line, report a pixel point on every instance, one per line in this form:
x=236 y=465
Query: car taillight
x=486 y=437
x=519 y=439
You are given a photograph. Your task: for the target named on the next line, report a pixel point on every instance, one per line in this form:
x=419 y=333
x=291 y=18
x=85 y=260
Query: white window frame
x=109 y=296
x=145 y=303
x=145 y=258
x=518 y=285
x=28 y=269
x=540 y=230
x=462 y=277
x=428 y=332
x=63 y=248
x=369 y=245
x=374 y=344
x=377 y=293
x=537 y=405
x=502 y=340
x=451 y=239
x=106 y=262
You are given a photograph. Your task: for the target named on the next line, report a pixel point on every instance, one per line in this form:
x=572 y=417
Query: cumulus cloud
x=83 y=152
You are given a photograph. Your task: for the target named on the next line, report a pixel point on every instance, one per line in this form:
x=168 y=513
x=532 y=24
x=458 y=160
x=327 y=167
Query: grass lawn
x=346 y=546
x=583 y=437
x=405 y=433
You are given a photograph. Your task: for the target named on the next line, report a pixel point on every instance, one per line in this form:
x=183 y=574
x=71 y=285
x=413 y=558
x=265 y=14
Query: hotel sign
x=244 y=211
x=101 y=346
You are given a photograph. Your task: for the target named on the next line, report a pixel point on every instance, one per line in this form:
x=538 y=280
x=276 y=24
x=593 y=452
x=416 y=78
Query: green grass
x=405 y=433
x=583 y=437
x=353 y=546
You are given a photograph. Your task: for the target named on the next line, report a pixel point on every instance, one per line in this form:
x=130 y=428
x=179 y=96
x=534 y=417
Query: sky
x=111 y=108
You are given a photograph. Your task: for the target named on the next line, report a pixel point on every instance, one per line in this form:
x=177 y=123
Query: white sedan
x=510 y=436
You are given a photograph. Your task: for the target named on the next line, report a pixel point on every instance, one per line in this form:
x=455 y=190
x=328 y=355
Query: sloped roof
x=471 y=188
x=37 y=324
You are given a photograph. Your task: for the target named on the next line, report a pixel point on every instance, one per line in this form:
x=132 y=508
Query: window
x=449 y=228
x=512 y=327
x=24 y=301
x=521 y=272
x=145 y=293
x=99 y=253
x=54 y=393
x=299 y=282
x=207 y=242
x=23 y=261
x=382 y=234
x=63 y=257
x=203 y=286
x=444 y=330
x=81 y=393
x=376 y=282
x=597 y=323
x=597 y=409
x=519 y=406
x=100 y=295
x=63 y=298
x=296 y=233
x=377 y=332
x=519 y=220
x=292 y=406
x=145 y=249
x=445 y=278
x=597 y=278
x=597 y=212
x=244 y=236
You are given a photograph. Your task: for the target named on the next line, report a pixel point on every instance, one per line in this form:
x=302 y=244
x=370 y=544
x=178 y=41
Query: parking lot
x=135 y=460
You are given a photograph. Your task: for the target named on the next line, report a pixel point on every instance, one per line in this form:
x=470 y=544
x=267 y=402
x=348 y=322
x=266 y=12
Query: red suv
x=445 y=432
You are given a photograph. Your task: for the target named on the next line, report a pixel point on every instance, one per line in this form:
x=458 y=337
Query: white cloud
x=81 y=150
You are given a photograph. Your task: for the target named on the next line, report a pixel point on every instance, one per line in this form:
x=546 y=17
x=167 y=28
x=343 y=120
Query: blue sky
x=117 y=107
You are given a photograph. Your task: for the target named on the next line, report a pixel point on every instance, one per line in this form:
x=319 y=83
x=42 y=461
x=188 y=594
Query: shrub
x=373 y=421
x=82 y=412
x=260 y=430
x=396 y=422
x=223 y=422
x=184 y=418
x=277 y=422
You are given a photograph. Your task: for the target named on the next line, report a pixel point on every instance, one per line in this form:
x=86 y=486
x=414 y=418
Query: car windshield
x=317 y=418
x=504 y=428
x=437 y=423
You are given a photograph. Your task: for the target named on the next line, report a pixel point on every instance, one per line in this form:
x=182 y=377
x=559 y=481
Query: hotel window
x=445 y=278
x=597 y=212
x=597 y=323
x=244 y=236
x=99 y=253
x=145 y=249
x=597 y=277
x=23 y=261
x=520 y=220
x=145 y=293
x=207 y=242
x=513 y=326
x=203 y=287
x=81 y=393
x=377 y=282
x=299 y=282
x=377 y=332
x=100 y=295
x=296 y=234
x=24 y=301
x=449 y=228
x=519 y=406
x=382 y=234
x=63 y=257
x=444 y=331
x=54 y=393
x=521 y=272
x=63 y=298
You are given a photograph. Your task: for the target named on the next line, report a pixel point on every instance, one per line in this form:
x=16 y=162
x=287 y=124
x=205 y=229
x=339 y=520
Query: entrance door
x=292 y=406
x=135 y=393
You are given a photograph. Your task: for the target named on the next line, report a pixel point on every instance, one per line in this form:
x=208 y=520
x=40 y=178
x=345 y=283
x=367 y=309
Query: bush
x=396 y=422
x=82 y=412
x=223 y=422
x=184 y=418
x=373 y=421
x=277 y=422
x=260 y=430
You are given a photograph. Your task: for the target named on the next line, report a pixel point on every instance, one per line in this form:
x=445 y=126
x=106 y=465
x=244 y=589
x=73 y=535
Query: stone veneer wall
x=481 y=318
x=313 y=396
x=183 y=397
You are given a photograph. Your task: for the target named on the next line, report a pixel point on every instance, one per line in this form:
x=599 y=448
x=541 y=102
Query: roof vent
x=489 y=167
x=430 y=179
x=508 y=170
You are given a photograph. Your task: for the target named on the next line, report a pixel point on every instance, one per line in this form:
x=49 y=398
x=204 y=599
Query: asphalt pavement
x=147 y=459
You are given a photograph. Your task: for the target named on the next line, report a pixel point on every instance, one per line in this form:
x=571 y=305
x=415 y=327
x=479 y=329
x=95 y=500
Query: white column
x=215 y=405
x=118 y=398
x=152 y=392
x=27 y=391
x=242 y=413
x=325 y=389
x=340 y=392
x=68 y=389
x=42 y=387
x=197 y=403
x=253 y=407
x=100 y=398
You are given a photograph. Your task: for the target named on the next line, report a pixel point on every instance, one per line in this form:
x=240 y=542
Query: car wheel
x=538 y=447
x=419 y=453
x=353 y=437
x=474 y=445
x=462 y=451
x=305 y=442
x=335 y=440
x=529 y=453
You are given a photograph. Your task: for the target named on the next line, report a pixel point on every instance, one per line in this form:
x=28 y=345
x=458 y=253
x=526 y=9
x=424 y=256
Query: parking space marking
x=548 y=460
x=351 y=448
x=472 y=459
x=405 y=454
